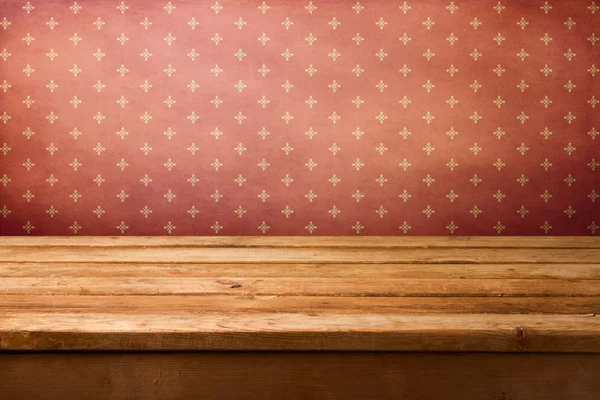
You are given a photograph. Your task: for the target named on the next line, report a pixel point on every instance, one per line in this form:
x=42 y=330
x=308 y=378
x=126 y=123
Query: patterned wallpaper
x=299 y=117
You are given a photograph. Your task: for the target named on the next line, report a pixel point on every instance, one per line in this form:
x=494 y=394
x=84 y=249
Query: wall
x=296 y=118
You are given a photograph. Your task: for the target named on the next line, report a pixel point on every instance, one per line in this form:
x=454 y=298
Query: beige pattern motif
x=314 y=117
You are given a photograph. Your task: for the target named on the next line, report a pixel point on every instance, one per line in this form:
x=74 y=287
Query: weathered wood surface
x=299 y=376
x=508 y=294
x=347 y=255
x=299 y=331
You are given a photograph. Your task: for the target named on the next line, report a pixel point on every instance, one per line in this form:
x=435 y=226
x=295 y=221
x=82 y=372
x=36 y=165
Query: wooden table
x=299 y=318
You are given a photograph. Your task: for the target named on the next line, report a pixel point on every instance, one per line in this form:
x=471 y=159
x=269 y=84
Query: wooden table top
x=498 y=294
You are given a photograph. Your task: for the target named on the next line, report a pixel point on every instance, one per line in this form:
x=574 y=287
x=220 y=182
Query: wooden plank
x=390 y=287
x=299 y=331
x=139 y=254
x=304 y=241
x=276 y=294
x=578 y=306
x=299 y=376
x=254 y=270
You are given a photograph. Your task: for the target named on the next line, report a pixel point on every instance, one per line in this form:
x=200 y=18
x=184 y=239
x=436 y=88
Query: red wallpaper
x=297 y=117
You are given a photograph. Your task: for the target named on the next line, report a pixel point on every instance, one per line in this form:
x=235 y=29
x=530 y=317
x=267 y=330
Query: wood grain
x=305 y=270
x=307 y=241
x=365 y=287
x=134 y=304
x=224 y=330
x=348 y=255
x=489 y=294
